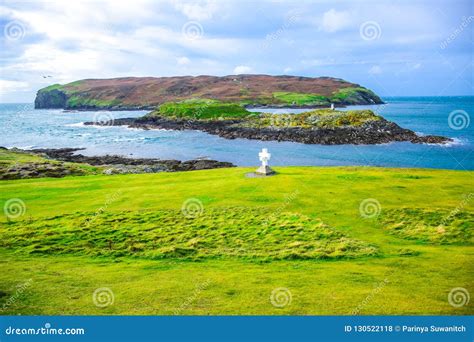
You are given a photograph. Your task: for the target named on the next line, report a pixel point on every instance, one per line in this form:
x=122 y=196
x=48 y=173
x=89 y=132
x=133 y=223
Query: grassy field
x=309 y=240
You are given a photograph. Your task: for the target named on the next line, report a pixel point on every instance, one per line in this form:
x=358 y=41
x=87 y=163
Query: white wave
x=77 y=124
x=455 y=142
x=27 y=147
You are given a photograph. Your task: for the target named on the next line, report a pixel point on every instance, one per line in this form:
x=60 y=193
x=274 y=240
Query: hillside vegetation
x=150 y=92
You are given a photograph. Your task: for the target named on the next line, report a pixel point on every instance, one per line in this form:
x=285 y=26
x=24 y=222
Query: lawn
x=309 y=240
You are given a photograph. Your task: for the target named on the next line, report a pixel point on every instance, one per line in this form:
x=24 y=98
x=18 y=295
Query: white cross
x=264 y=157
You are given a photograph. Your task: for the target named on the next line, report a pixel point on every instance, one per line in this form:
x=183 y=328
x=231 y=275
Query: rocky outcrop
x=51 y=99
x=118 y=164
x=39 y=169
x=57 y=163
x=374 y=132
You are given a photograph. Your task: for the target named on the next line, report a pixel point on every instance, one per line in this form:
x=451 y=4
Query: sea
x=24 y=127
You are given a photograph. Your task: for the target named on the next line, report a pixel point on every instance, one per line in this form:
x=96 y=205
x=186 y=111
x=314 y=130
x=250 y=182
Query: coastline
x=61 y=162
x=371 y=133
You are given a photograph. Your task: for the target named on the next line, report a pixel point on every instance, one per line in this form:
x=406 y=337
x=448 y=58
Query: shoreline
x=373 y=133
x=61 y=162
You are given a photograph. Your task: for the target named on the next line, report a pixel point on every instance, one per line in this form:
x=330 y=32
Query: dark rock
x=50 y=99
x=373 y=132
x=119 y=164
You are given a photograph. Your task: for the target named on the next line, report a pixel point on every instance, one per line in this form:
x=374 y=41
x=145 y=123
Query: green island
x=245 y=90
x=210 y=110
x=305 y=230
x=315 y=126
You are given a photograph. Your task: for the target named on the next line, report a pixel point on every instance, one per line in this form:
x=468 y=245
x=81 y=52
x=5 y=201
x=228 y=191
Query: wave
x=455 y=142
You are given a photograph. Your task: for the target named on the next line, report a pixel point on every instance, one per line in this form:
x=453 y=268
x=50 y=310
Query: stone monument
x=264 y=169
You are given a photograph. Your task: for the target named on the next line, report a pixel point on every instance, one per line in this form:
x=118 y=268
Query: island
x=132 y=93
x=219 y=105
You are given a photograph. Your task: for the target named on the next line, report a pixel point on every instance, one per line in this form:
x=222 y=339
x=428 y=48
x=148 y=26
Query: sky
x=396 y=48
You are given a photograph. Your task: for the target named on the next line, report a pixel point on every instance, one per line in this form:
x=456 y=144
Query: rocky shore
x=63 y=162
x=373 y=132
x=133 y=165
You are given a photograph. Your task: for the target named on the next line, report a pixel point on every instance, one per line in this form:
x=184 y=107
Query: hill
x=149 y=92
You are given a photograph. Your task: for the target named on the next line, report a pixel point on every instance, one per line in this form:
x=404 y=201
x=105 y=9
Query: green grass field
x=309 y=240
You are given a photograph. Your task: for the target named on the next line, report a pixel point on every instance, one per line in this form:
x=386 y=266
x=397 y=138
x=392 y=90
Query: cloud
x=13 y=85
x=375 y=70
x=73 y=40
x=203 y=10
x=242 y=69
x=183 y=61
x=334 y=21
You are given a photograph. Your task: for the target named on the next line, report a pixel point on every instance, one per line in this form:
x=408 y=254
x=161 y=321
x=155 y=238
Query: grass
x=354 y=95
x=320 y=118
x=205 y=109
x=201 y=109
x=230 y=257
x=301 y=99
x=161 y=234
x=431 y=226
x=350 y=95
x=80 y=102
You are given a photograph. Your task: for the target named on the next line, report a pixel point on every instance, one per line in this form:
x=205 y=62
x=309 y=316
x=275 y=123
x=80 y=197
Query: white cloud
x=242 y=69
x=8 y=86
x=334 y=21
x=73 y=40
x=375 y=70
x=183 y=61
x=203 y=10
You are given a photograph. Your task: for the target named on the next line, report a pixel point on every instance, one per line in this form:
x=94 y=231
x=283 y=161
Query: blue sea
x=27 y=128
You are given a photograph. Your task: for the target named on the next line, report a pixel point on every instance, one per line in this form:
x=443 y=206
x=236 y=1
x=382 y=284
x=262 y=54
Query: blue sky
x=395 y=48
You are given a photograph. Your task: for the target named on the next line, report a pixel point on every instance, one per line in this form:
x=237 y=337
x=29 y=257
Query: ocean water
x=24 y=127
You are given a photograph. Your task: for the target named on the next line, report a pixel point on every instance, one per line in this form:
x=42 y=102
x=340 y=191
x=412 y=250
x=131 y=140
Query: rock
x=118 y=164
x=372 y=132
